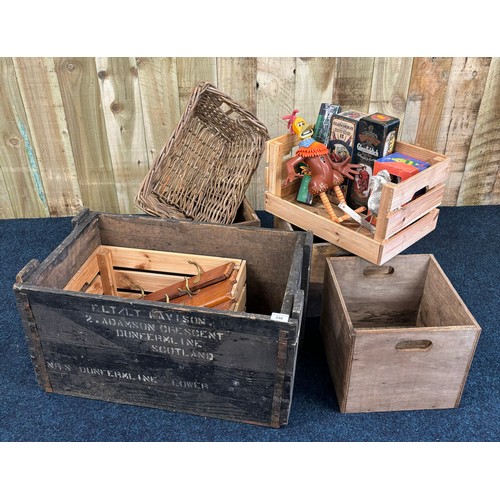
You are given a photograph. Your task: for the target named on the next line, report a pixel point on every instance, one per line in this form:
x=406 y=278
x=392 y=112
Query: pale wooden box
x=401 y=221
x=396 y=337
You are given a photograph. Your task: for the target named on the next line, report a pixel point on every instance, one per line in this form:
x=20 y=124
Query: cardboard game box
x=400 y=166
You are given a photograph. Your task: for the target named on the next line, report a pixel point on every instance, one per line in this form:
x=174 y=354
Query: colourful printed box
x=400 y=166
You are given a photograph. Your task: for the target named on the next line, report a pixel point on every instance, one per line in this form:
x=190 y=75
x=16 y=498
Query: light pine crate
x=400 y=222
x=397 y=336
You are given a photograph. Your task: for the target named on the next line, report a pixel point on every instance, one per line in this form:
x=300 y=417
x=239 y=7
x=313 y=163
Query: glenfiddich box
x=376 y=137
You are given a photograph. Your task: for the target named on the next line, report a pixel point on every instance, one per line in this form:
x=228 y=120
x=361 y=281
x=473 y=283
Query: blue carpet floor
x=465 y=243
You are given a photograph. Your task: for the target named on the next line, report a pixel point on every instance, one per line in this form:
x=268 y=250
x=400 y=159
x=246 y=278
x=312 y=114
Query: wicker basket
x=204 y=169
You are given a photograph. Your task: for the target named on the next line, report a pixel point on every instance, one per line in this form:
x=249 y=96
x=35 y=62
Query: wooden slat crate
x=400 y=222
x=396 y=337
x=227 y=364
x=137 y=272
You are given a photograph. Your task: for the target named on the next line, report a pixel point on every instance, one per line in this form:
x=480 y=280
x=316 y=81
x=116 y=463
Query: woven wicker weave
x=204 y=169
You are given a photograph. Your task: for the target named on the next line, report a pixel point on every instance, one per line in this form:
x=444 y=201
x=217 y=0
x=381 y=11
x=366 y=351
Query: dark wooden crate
x=233 y=365
x=397 y=337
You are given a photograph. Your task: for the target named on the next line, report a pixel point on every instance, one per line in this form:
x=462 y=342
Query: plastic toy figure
x=325 y=173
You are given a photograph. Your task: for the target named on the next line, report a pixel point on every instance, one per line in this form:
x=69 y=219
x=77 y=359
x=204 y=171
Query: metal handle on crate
x=414 y=345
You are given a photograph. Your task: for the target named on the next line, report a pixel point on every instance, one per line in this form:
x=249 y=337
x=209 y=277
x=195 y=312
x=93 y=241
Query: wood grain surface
x=122 y=109
x=83 y=131
x=20 y=172
x=481 y=181
x=80 y=94
x=48 y=127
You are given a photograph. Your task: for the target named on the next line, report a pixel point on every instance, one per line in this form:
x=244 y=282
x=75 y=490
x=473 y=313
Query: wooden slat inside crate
x=106 y=271
x=167 y=262
x=242 y=300
x=153 y=270
x=84 y=275
x=399 y=219
x=241 y=279
x=128 y=279
x=95 y=287
x=135 y=259
x=149 y=281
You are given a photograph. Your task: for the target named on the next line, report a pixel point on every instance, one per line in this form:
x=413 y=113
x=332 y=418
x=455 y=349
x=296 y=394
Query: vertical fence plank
x=160 y=100
x=22 y=193
x=191 y=71
x=426 y=98
x=121 y=104
x=463 y=98
x=237 y=77
x=481 y=180
x=81 y=99
x=313 y=85
x=6 y=209
x=391 y=79
x=353 y=82
x=275 y=98
x=47 y=124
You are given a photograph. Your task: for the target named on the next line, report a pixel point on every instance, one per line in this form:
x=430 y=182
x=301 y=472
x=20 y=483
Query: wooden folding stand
x=196 y=280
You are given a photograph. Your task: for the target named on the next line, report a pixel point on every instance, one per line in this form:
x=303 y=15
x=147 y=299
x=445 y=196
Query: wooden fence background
x=82 y=132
